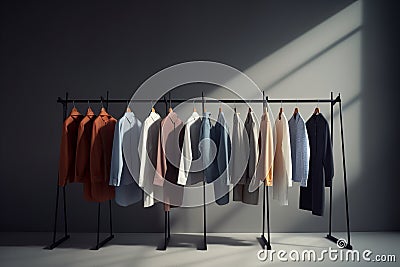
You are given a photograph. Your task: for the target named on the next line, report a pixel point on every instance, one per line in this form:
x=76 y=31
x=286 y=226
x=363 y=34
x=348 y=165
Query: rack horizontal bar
x=60 y=100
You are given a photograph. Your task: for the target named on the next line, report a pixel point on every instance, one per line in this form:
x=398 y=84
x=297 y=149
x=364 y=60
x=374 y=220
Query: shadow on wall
x=334 y=55
x=324 y=59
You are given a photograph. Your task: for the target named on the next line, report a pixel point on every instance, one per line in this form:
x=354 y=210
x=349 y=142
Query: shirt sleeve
x=142 y=150
x=327 y=160
x=287 y=152
x=306 y=156
x=96 y=156
x=223 y=152
x=116 y=157
x=269 y=154
x=186 y=157
x=161 y=161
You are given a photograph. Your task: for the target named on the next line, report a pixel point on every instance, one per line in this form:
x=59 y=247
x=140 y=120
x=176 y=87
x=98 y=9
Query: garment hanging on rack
x=100 y=156
x=66 y=170
x=265 y=167
x=82 y=167
x=241 y=190
x=125 y=162
x=282 y=161
x=300 y=149
x=223 y=143
x=189 y=162
x=168 y=156
x=148 y=156
x=321 y=170
x=239 y=156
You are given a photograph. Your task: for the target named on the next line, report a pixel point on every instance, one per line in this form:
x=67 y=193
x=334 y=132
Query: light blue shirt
x=300 y=149
x=125 y=163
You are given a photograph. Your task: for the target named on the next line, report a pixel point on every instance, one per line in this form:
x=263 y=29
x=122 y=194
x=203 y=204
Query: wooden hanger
x=316 y=110
x=194 y=107
x=128 y=109
x=152 y=106
x=170 y=106
x=280 y=111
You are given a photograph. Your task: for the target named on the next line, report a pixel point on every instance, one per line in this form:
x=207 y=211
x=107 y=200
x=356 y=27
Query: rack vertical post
x=66 y=235
x=99 y=243
x=204 y=247
x=329 y=236
x=265 y=242
x=167 y=231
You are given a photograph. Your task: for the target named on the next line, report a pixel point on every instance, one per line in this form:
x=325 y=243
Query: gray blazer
x=300 y=149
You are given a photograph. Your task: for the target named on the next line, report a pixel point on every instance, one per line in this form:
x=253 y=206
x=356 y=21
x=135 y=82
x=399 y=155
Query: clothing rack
x=66 y=236
x=265 y=242
x=332 y=101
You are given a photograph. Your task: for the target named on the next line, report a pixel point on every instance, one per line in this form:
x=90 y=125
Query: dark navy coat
x=321 y=170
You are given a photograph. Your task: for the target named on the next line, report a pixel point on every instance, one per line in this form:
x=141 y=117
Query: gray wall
x=48 y=48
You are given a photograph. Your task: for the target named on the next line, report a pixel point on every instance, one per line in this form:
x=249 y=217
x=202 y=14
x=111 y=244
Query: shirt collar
x=130 y=116
x=154 y=116
x=173 y=116
x=207 y=114
x=195 y=115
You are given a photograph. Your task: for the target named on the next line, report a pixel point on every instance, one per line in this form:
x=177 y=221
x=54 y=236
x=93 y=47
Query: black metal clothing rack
x=66 y=236
x=332 y=101
x=265 y=242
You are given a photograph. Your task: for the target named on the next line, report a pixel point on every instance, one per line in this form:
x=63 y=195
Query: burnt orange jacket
x=100 y=156
x=82 y=167
x=66 y=170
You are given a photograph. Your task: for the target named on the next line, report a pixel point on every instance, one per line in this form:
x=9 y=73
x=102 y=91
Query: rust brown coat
x=82 y=165
x=100 y=157
x=66 y=170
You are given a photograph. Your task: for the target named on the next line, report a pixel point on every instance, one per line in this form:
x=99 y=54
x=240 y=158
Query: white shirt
x=189 y=143
x=147 y=149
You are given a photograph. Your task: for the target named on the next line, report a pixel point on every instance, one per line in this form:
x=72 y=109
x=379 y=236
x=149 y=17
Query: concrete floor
x=224 y=249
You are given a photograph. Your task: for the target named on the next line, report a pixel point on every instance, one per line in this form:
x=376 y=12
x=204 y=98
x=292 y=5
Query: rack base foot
x=57 y=243
x=264 y=242
x=102 y=243
x=165 y=245
x=202 y=247
x=335 y=240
